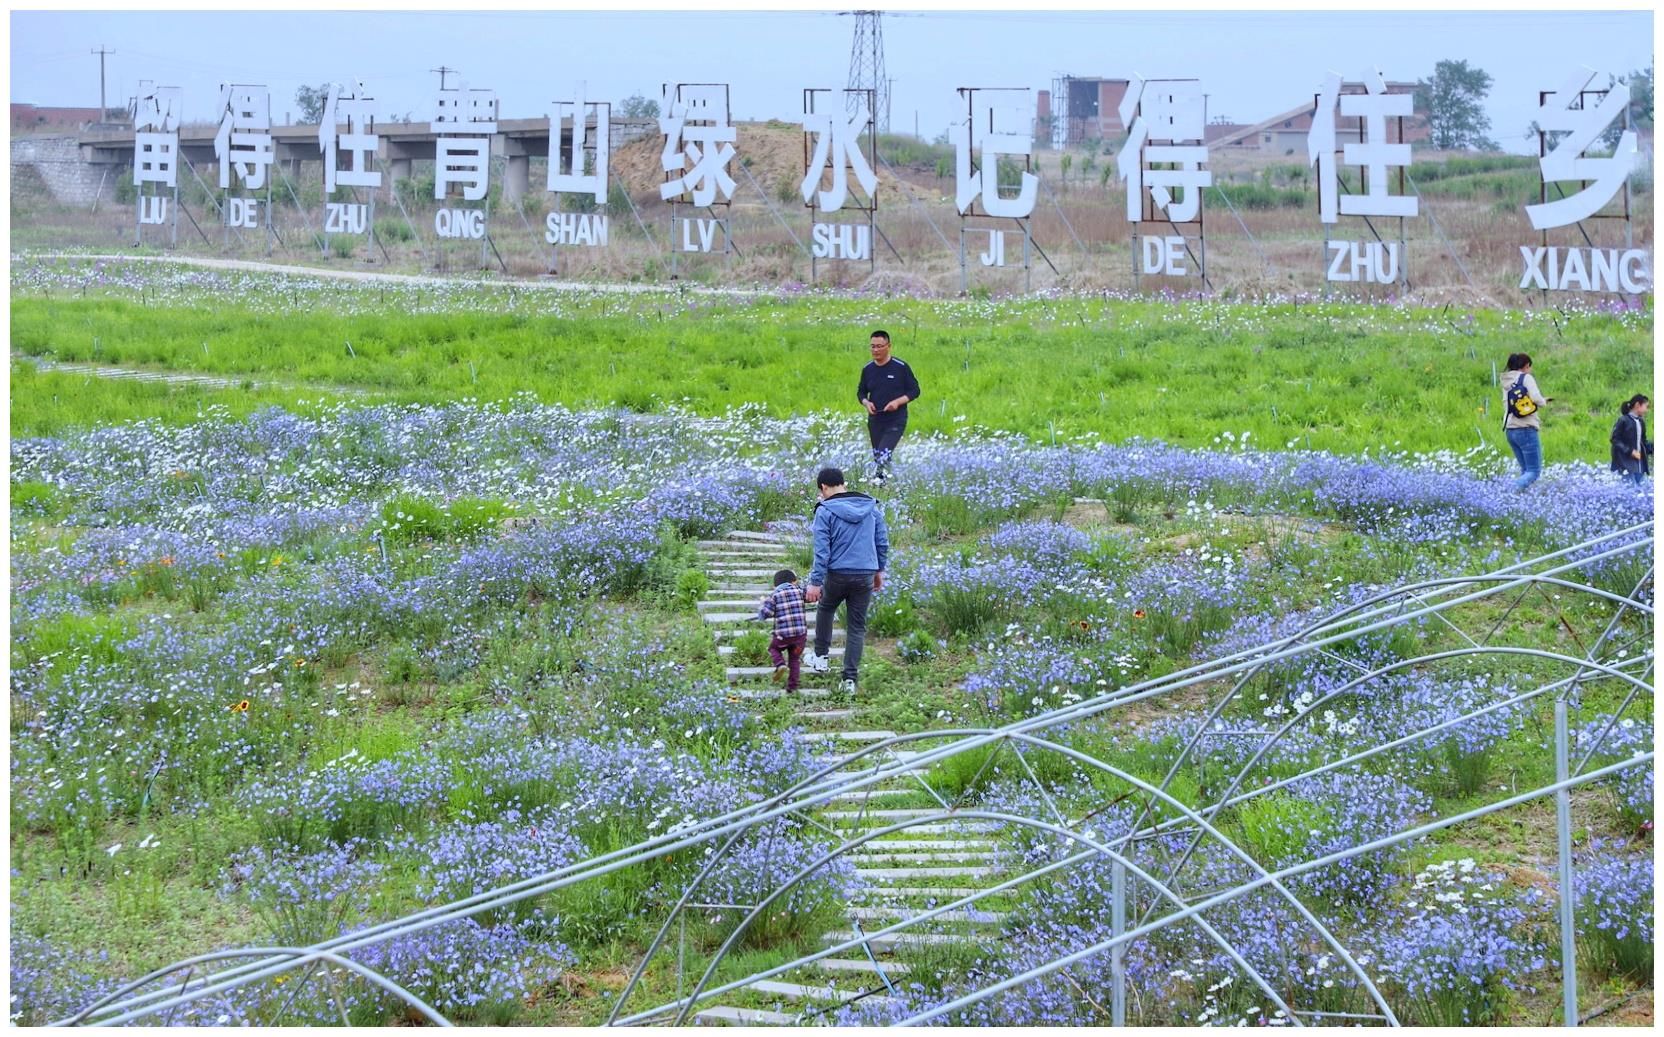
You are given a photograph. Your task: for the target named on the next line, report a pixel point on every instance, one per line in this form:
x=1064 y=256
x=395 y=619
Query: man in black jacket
x=887 y=387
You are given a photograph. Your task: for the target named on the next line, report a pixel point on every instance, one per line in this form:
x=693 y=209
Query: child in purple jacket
x=784 y=605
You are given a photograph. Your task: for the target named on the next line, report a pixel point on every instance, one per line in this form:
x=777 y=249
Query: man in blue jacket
x=851 y=549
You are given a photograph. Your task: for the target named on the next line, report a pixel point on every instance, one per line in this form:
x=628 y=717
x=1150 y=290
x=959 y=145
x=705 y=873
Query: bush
x=691 y=585
x=751 y=648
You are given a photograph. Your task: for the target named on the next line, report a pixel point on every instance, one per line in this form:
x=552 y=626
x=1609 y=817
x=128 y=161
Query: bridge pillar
x=517 y=177
x=397 y=169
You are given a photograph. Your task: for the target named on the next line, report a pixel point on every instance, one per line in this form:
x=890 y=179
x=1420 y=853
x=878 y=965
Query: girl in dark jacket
x=1630 y=448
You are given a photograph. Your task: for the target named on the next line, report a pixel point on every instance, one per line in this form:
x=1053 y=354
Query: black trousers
x=885 y=431
x=853 y=590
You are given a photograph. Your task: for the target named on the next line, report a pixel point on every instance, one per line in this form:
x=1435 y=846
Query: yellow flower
x=241 y=707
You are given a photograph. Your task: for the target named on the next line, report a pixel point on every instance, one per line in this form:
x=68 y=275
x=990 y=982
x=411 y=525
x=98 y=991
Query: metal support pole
x=1117 y=955
x=1568 y=888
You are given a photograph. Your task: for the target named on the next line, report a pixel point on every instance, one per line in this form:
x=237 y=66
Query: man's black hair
x=784 y=576
x=880 y=333
x=830 y=477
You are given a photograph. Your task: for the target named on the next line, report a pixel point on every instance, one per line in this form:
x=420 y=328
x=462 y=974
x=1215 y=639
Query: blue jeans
x=1528 y=451
x=1637 y=477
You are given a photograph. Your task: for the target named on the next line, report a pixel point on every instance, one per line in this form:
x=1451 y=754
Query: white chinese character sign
x=699 y=143
x=243 y=148
x=836 y=150
x=996 y=128
x=1570 y=121
x=578 y=154
x=1376 y=150
x=347 y=143
x=1161 y=163
x=156 y=111
x=464 y=122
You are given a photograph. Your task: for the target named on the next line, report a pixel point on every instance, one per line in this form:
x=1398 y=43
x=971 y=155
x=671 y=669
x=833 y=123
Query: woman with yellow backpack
x=1522 y=421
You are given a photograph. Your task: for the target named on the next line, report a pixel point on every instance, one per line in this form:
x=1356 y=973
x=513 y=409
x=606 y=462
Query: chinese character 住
x=156 y=136
x=358 y=140
x=698 y=143
x=1167 y=112
x=1373 y=152
x=984 y=180
x=463 y=160
x=838 y=142
x=244 y=140
x=577 y=180
x=1566 y=161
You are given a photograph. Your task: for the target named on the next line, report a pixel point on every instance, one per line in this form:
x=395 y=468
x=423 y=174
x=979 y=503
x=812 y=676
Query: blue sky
x=1253 y=65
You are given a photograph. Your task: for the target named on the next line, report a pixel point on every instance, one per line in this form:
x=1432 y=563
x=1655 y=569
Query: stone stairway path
x=905 y=872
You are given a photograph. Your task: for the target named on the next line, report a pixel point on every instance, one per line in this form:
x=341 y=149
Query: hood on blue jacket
x=853 y=508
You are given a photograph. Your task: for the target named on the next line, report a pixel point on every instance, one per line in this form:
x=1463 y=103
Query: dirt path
x=378 y=277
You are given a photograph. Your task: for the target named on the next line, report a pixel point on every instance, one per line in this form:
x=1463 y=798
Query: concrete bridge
x=517 y=141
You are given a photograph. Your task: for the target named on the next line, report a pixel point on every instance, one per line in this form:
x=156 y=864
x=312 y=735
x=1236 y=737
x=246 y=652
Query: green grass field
x=1332 y=376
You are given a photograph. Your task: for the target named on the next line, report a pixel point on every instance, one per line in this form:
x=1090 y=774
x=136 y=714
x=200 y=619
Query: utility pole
x=101 y=52
x=443 y=72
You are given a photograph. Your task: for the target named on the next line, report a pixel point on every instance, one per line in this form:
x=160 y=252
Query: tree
x=1453 y=103
x=638 y=107
x=1640 y=107
x=311 y=100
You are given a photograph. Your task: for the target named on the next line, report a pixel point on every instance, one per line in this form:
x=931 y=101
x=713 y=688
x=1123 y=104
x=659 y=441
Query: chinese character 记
x=577 y=180
x=464 y=160
x=358 y=140
x=995 y=140
x=698 y=144
x=244 y=140
x=1566 y=161
x=838 y=141
x=1373 y=153
x=1167 y=112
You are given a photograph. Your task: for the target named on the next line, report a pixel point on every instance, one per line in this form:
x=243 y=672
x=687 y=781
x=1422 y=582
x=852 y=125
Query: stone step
x=954 y=829
x=891 y=968
x=759 y=694
x=873 y=914
x=728 y=603
x=731 y=617
x=873 y=794
x=767 y=538
x=747 y=591
x=729 y=1015
x=731 y=543
x=831 y=653
x=851 y=736
x=826 y=716
x=799 y=992
x=740 y=673
x=939 y=892
x=897 y=842
x=899 y=939
x=919 y=857
x=924 y=873
x=891 y=815
x=730 y=632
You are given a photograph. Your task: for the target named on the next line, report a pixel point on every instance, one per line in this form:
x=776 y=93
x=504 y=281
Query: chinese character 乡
x=1373 y=152
x=698 y=144
x=1167 y=112
x=244 y=140
x=1582 y=125
x=838 y=141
